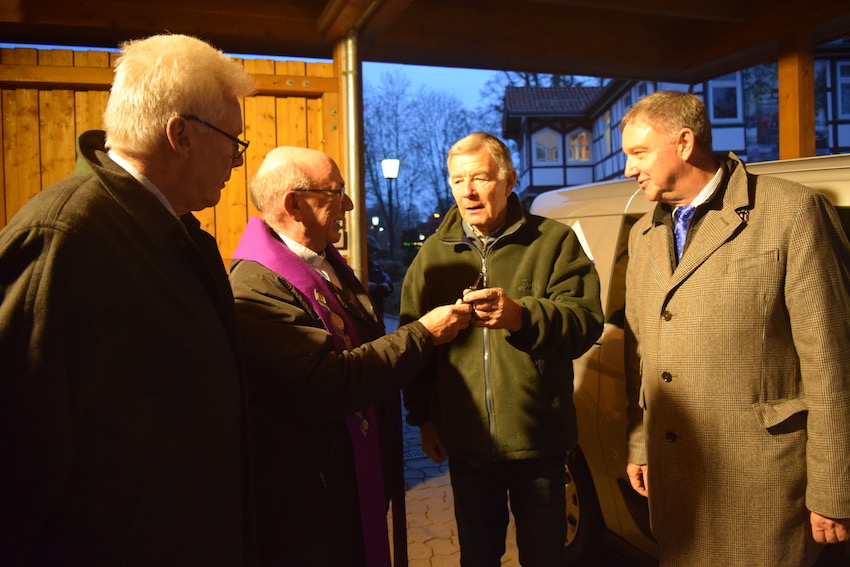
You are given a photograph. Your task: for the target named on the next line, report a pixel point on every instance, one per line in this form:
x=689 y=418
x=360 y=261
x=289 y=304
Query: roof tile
x=550 y=100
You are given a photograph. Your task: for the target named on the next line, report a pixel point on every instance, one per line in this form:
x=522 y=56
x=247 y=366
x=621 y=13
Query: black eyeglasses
x=240 y=145
x=338 y=192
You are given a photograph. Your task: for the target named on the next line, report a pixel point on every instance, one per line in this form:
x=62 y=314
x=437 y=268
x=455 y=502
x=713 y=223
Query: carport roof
x=679 y=40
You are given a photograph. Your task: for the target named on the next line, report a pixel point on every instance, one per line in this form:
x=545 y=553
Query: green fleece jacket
x=494 y=394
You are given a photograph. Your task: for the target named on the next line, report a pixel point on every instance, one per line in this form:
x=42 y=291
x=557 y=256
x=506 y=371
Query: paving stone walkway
x=431 y=530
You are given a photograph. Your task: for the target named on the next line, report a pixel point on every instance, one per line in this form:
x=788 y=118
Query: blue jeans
x=537 y=496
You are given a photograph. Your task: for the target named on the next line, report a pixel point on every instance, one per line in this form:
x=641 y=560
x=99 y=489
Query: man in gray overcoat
x=738 y=351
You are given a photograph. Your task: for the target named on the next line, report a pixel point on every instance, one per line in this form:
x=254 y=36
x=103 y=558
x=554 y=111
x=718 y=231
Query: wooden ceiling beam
x=544 y=40
x=133 y=18
x=728 y=11
x=386 y=16
x=825 y=20
x=339 y=17
x=673 y=40
x=11 y=10
x=370 y=18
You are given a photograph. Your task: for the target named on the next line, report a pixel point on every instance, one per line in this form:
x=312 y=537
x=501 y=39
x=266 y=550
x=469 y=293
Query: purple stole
x=259 y=245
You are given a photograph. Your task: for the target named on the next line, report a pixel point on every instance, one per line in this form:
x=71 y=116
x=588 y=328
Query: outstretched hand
x=446 y=321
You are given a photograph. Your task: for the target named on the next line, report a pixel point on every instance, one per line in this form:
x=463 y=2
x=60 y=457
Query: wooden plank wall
x=297 y=103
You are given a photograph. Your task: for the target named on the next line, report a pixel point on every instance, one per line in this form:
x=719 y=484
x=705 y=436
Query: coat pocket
x=771 y=414
x=763 y=260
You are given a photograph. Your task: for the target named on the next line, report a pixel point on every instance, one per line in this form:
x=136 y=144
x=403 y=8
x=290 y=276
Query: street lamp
x=390 y=167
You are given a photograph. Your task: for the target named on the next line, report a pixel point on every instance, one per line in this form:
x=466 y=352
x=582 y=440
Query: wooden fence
x=49 y=97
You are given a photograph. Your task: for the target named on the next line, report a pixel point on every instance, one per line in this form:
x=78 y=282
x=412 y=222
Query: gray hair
x=670 y=111
x=164 y=76
x=474 y=142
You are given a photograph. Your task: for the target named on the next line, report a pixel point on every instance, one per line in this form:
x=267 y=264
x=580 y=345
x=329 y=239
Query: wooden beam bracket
x=100 y=78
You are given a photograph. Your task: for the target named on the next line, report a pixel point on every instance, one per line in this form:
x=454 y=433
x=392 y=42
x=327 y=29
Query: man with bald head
x=321 y=371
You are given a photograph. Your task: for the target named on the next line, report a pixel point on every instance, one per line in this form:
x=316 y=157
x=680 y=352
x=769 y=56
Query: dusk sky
x=465 y=84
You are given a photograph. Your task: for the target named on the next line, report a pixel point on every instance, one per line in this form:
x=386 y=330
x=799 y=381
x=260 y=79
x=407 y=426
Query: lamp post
x=390 y=167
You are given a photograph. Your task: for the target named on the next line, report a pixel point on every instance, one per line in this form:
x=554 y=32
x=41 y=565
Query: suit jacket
x=738 y=363
x=301 y=391
x=121 y=399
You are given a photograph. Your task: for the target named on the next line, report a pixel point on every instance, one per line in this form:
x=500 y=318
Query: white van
x=601 y=505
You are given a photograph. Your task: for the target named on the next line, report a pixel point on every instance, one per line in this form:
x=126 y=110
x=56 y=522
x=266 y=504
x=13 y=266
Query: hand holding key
x=492 y=307
x=477 y=285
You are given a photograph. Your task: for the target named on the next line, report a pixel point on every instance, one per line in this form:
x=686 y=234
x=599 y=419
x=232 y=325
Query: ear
x=292 y=205
x=177 y=134
x=510 y=181
x=686 y=143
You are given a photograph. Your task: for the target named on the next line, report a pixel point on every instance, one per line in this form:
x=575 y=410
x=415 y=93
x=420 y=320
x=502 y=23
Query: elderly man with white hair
x=121 y=400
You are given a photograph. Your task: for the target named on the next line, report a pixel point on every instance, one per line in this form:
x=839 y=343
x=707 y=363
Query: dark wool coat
x=121 y=398
x=739 y=373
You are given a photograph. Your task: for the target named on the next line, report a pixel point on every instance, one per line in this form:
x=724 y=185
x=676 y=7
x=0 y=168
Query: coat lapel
x=660 y=242
x=715 y=229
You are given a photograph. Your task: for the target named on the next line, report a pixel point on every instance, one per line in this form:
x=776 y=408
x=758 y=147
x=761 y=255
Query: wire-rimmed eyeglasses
x=239 y=145
x=338 y=192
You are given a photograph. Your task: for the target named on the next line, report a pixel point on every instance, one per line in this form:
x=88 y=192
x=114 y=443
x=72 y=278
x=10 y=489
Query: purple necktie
x=681 y=220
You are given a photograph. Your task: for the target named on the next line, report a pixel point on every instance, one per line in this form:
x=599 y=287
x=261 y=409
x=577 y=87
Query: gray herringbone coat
x=739 y=373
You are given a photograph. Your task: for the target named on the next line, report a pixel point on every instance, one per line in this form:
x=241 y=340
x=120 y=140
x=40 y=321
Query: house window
x=725 y=99
x=547 y=147
x=606 y=122
x=844 y=89
x=822 y=106
x=579 y=143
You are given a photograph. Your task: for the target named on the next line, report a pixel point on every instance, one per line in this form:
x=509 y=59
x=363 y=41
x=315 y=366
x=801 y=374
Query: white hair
x=164 y=76
x=270 y=184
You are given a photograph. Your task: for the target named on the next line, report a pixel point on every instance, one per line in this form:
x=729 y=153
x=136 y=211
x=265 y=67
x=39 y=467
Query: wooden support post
x=796 y=72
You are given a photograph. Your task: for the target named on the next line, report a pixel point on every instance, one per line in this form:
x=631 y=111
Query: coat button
x=666 y=376
x=671 y=437
x=666 y=315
